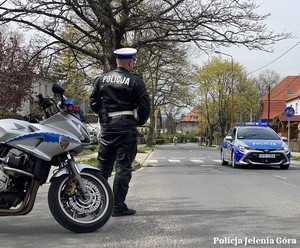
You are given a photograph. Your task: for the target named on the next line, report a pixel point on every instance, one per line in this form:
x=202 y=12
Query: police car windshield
x=257 y=133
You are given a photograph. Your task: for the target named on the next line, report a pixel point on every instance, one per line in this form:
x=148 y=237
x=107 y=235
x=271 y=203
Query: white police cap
x=125 y=53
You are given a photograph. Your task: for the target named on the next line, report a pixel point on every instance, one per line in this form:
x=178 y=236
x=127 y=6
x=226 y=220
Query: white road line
x=174 y=160
x=153 y=161
x=281 y=177
x=207 y=165
x=217 y=160
x=289 y=184
x=196 y=160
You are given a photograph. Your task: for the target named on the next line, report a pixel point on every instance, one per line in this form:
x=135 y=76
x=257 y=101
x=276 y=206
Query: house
x=190 y=121
x=286 y=93
x=42 y=87
x=294 y=102
x=282 y=124
x=282 y=120
x=283 y=91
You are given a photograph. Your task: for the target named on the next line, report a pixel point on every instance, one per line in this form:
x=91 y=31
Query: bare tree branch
x=102 y=26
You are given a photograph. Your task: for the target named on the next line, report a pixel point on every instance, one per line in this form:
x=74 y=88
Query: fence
x=295 y=145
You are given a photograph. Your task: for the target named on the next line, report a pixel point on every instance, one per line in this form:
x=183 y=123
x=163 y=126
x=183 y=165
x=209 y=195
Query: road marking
x=217 y=160
x=153 y=161
x=196 y=160
x=174 y=160
x=289 y=184
x=281 y=177
x=207 y=165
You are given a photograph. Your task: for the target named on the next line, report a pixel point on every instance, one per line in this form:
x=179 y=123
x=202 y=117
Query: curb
x=140 y=164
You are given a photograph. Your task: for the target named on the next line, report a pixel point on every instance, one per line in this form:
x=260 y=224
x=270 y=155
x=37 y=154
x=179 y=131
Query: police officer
x=122 y=102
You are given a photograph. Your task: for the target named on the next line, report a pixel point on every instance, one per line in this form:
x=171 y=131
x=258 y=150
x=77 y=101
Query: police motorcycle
x=79 y=198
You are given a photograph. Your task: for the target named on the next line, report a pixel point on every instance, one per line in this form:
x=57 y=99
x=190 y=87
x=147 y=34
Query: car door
x=227 y=145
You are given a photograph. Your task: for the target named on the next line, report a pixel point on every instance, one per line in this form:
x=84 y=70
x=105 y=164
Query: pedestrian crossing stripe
x=196 y=160
x=155 y=161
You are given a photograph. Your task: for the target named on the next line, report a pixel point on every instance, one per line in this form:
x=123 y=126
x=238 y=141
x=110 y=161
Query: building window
x=296 y=108
x=288 y=91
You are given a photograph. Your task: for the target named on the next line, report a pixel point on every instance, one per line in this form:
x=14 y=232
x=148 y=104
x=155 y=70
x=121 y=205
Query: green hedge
x=182 y=138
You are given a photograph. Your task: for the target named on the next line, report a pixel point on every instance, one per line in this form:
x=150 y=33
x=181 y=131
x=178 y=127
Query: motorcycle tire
x=73 y=211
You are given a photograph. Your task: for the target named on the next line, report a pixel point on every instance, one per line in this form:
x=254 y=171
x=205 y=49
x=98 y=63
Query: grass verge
x=297 y=158
x=94 y=162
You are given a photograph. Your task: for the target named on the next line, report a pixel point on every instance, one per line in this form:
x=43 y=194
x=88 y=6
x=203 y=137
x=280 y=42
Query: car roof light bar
x=258 y=124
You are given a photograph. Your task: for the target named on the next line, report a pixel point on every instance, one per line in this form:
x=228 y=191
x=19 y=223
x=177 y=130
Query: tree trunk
x=150 y=139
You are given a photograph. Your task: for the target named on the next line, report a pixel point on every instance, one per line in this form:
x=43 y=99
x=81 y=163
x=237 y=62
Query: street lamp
x=232 y=110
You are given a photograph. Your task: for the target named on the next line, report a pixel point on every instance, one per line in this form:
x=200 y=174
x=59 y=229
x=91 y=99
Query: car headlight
x=243 y=148
x=285 y=148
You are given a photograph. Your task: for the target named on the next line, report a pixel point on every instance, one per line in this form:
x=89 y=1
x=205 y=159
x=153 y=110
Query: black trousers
x=119 y=147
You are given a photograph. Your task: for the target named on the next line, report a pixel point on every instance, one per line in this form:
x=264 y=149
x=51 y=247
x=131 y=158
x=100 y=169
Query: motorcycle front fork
x=77 y=176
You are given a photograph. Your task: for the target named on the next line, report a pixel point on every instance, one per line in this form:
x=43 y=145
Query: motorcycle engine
x=13 y=180
x=4 y=178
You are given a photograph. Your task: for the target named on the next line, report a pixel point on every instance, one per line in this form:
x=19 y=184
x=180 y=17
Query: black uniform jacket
x=119 y=90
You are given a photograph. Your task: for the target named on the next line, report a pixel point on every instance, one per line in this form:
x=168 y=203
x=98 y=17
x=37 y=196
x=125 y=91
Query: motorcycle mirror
x=57 y=89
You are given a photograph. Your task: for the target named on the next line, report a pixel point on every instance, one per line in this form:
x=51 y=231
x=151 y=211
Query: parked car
x=93 y=135
x=254 y=144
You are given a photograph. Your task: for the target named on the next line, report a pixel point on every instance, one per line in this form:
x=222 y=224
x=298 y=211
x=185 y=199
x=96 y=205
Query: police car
x=254 y=143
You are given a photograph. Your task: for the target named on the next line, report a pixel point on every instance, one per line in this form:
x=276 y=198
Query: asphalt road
x=184 y=198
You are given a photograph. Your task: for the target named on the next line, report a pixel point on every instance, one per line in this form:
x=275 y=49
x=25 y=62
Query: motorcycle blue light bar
x=258 y=124
x=69 y=101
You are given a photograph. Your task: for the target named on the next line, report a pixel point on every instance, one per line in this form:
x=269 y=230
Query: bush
x=181 y=138
x=159 y=141
x=9 y=115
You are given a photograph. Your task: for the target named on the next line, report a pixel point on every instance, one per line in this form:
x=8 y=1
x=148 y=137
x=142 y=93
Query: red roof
x=285 y=89
x=288 y=88
x=284 y=118
x=191 y=117
x=293 y=96
x=276 y=108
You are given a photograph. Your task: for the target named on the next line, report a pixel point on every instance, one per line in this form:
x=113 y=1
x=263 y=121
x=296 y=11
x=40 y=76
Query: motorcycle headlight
x=63 y=143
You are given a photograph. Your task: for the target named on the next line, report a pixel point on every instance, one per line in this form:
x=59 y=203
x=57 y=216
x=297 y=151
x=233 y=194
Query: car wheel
x=233 y=163
x=222 y=158
x=284 y=166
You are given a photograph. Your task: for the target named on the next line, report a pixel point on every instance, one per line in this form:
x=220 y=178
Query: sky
x=285 y=17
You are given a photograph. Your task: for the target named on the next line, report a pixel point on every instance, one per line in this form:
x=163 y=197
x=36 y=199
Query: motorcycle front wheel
x=77 y=213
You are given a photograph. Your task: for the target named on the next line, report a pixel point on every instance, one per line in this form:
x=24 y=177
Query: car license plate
x=266 y=155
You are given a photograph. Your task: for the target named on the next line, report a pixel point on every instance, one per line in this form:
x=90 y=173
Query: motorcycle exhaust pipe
x=27 y=203
x=16 y=172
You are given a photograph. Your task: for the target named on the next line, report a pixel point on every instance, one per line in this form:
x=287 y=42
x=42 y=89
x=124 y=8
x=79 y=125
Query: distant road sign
x=289 y=112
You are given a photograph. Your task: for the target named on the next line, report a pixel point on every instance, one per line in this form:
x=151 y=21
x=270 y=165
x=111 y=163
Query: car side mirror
x=284 y=139
x=228 y=138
